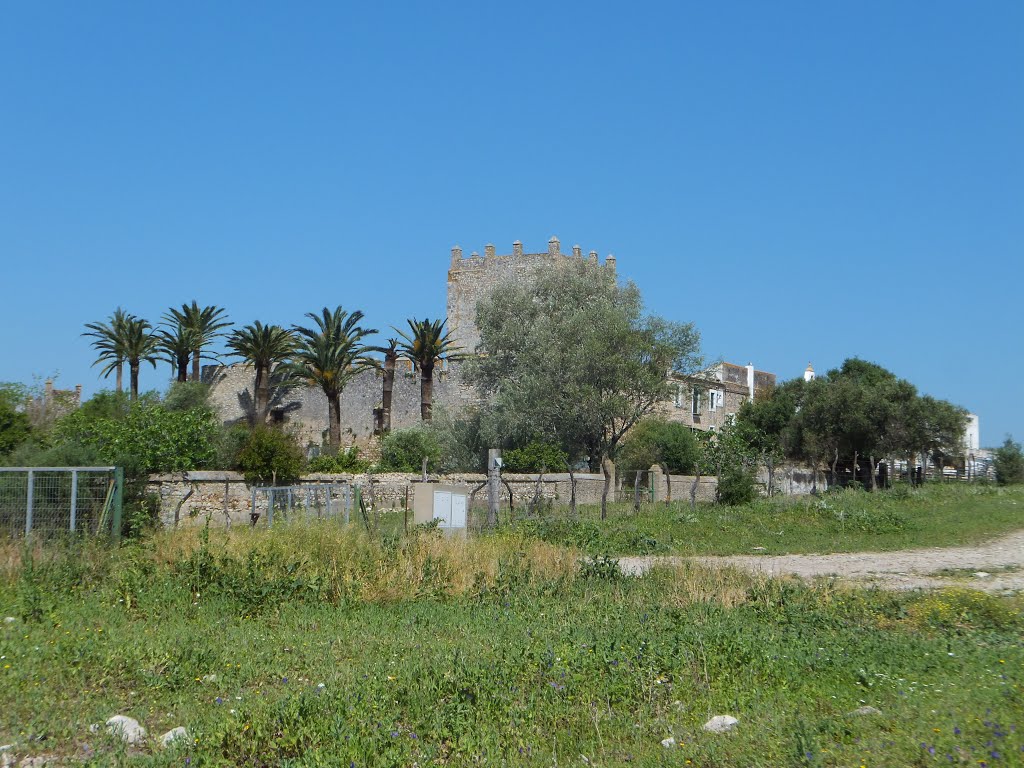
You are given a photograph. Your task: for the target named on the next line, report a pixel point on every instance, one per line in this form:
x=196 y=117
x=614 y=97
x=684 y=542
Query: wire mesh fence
x=319 y=501
x=48 y=501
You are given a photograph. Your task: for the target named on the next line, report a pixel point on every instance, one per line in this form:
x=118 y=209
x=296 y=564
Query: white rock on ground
x=9 y=619
x=127 y=729
x=173 y=735
x=669 y=742
x=721 y=724
x=866 y=711
x=37 y=762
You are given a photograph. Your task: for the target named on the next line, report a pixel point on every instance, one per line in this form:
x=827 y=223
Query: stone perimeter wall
x=225 y=496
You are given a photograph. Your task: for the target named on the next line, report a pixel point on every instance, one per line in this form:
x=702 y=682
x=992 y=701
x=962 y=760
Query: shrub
x=737 y=486
x=536 y=457
x=1009 y=463
x=270 y=455
x=342 y=461
x=404 y=450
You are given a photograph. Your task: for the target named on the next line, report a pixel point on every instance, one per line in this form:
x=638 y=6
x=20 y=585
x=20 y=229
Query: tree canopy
x=570 y=359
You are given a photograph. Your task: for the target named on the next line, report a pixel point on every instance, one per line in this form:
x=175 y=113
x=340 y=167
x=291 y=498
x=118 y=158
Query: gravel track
x=901 y=569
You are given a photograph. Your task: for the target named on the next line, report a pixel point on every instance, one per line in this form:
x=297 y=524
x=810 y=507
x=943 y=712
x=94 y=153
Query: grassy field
x=845 y=521
x=312 y=646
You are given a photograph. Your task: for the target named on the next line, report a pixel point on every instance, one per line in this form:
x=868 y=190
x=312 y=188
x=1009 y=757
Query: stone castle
x=704 y=402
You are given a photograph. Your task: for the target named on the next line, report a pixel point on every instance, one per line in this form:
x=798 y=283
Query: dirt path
x=1000 y=560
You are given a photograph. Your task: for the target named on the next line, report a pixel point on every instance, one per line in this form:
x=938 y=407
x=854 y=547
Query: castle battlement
x=472 y=277
x=501 y=261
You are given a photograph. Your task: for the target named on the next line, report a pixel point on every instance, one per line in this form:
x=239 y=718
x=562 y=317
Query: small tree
x=655 y=442
x=271 y=455
x=1009 y=463
x=569 y=354
x=405 y=449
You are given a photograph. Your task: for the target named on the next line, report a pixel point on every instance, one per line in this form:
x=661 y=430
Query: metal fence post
x=74 y=497
x=270 y=507
x=28 y=509
x=118 y=501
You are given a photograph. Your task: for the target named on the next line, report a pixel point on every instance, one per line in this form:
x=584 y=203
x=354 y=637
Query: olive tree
x=568 y=357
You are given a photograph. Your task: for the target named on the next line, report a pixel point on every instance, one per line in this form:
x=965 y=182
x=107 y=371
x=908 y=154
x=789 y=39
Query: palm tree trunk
x=389 y=387
x=120 y=378
x=134 y=378
x=195 y=365
x=262 y=395
x=426 y=392
x=334 y=419
x=183 y=368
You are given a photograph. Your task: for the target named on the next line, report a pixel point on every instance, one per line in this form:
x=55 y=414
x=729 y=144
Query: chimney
x=489 y=251
x=750 y=379
x=809 y=373
x=456 y=255
x=517 y=249
x=553 y=246
x=48 y=391
x=593 y=256
x=610 y=262
x=577 y=252
x=78 y=394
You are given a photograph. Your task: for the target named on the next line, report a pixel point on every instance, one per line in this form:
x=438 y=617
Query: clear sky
x=805 y=181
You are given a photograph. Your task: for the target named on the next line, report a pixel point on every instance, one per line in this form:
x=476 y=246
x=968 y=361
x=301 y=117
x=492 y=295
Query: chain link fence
x=49 y=501
x=319 y=501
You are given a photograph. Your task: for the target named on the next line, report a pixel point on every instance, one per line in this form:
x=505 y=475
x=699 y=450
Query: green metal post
x=118 y=501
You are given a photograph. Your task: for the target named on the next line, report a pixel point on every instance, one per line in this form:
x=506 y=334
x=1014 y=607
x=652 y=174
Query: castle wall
x=304 y=408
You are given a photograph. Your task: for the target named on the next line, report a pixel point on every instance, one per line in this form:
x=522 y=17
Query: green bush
x=345 y=461
x=536 y=457
x=404 y=450
x=271 y=456
x=1009 y=463
x=737 y=486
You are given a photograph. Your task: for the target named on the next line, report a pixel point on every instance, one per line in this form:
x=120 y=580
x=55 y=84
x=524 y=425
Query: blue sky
x=805 y=181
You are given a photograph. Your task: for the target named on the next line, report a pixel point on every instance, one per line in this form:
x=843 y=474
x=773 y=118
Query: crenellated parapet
x=471 y=278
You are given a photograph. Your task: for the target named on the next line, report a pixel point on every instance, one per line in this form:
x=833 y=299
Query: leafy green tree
x=1009 y=463
x=108 y=341
x=426 y=344
x=569 y=357
x=265 y=347
x=329 y=356
x=271 y=455
x=147 y=436
x=461 y=443
x=203 y=325
x=348 y=461
x=14 y=422
x=404 y=449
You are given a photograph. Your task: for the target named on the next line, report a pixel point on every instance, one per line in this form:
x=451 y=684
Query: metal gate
x=317 y=501
x=54 y=500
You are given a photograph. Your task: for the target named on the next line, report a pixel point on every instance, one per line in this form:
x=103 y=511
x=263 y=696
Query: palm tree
x=139 y=344
x=390 y=359
x=204 y=323
x=426 y=344
x=175 y=345
x=329 y=356
x=264 y=346
x=109 y=342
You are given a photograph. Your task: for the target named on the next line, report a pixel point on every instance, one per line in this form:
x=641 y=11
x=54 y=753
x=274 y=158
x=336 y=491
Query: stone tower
x=472 y=278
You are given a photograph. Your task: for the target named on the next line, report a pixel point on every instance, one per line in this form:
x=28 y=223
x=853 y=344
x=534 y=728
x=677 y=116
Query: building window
x=695 y=402
x=715 y=399
x=679 y=396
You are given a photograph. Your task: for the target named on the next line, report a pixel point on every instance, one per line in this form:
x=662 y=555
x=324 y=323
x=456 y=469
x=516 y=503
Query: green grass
x=496 y=651
x=844 y=521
